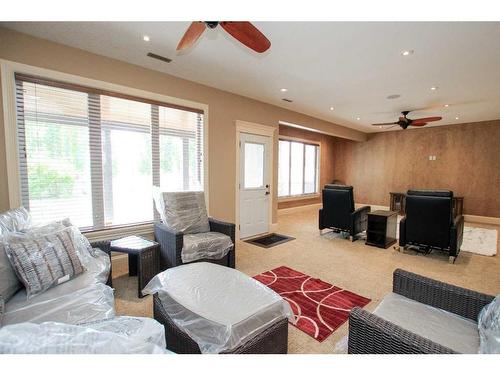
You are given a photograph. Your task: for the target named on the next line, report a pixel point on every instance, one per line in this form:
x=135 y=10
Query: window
x=298 y=168
x=94 y=156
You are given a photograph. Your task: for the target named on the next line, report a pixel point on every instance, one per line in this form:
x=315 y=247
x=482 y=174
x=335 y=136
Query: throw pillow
x=42 y=262
x=489 y=328
x=185 y=211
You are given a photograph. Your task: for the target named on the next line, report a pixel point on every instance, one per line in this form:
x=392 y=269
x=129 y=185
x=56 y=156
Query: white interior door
x=254 y=184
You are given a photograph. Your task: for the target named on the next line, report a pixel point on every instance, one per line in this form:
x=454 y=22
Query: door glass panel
x=254 y=165
x=284 y=169
x=297 y=168
x=310 y=169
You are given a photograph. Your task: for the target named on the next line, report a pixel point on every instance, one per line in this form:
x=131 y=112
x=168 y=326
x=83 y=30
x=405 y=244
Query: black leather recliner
x=429 y=222
x=338 y=211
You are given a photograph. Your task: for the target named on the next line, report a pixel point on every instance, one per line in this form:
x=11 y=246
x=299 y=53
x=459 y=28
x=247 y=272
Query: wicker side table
x=143 y=258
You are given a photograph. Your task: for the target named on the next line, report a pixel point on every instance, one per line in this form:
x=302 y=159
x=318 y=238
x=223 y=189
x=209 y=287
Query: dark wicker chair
x=273 y=340
x=171 y=243
x=370 y=334
x=105 y=246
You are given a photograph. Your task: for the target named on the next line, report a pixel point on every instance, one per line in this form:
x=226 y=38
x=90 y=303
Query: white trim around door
x=263 y=130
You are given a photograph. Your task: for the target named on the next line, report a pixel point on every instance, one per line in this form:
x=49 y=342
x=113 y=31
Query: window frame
x=286 y=198
x=8 y=69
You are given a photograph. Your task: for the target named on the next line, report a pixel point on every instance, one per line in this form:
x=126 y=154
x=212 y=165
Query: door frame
x=266 y=131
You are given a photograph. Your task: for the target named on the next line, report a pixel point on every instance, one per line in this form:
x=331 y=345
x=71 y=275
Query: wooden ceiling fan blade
x=191 y=35
x=247 y=34
x=418 y=124
x=427 y=119
x=385 y=124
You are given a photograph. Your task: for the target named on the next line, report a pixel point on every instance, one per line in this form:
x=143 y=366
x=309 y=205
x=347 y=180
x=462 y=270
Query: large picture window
x=94 y=156
x=298 y=168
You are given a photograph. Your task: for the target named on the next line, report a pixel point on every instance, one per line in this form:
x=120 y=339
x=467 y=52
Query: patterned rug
x=319 y=307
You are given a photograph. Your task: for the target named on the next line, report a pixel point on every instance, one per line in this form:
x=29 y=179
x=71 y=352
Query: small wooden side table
x=381 y=228
x=143 y=258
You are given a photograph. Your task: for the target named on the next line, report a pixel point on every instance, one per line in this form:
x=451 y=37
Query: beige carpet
x=362 y=269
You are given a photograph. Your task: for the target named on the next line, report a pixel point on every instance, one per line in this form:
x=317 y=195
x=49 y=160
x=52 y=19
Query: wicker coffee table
x=143 y=258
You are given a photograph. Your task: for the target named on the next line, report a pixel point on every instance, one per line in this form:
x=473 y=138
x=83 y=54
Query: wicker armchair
x=370 y=334
x=171 y=243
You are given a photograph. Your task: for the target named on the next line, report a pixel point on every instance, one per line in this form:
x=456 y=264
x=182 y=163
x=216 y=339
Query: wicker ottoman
x=208 y=308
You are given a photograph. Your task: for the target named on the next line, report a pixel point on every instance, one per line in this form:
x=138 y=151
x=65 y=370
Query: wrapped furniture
x=186 y=234
x=338 y=211
x=429 y=222
x=84 y=298
x=208 y=308
x=120 y=335
x=420 y=316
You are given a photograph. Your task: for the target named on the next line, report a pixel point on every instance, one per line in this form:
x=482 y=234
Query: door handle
x=267 y=193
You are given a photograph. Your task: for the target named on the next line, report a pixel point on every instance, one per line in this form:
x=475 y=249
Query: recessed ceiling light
x=358 y=118
x=407 y=52
x=434 y=88
x=331 y=108
x=446 y=105
x=283 y=90
x=146 y=38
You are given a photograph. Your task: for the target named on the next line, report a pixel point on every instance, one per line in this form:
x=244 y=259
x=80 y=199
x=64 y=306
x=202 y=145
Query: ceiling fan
x=244 y=32
x=404 y=121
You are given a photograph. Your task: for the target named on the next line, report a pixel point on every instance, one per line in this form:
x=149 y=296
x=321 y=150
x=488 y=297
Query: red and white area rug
x=319 y=307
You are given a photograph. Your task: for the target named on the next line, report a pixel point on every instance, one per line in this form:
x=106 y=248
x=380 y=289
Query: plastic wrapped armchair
x=420 y=316
x=338 y=211
x=172 y=241
x=429 y=222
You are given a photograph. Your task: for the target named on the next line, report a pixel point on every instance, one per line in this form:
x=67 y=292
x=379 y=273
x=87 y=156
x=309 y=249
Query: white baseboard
x=285 y=211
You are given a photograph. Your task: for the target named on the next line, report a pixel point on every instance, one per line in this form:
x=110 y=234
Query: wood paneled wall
x=467 y=162
x=326 y=160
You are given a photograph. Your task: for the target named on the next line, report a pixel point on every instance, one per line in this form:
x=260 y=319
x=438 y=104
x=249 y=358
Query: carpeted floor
x=361 y=269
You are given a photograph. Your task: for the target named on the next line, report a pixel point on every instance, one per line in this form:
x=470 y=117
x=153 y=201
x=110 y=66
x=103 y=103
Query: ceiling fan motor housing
x=211 y=24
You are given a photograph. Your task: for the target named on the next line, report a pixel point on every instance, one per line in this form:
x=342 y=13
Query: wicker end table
x=143 y=258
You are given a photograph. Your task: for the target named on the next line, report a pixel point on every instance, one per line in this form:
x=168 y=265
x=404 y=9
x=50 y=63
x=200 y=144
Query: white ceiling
x=350 y=66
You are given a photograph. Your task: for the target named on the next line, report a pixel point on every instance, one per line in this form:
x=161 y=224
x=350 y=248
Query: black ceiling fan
x=404 y=121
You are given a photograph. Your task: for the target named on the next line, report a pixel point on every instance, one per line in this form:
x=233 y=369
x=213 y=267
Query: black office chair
x=429 y=222
x=338 y=211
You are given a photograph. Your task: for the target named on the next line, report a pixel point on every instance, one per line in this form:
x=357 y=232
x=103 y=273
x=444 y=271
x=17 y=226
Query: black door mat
x=270 y=240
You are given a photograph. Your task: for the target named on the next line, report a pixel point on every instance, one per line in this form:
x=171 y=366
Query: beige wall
x=467 y=162
x=224 y=108
x=327 y=144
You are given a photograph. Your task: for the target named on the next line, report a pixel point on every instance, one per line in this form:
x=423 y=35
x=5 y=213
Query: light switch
x=430 y=157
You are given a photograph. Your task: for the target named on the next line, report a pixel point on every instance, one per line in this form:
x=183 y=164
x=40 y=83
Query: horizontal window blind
x=298 y=168
x=93 y=155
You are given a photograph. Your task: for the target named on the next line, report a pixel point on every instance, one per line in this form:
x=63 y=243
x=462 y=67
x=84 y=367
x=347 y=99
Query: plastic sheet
x=183 y=211
x=2 y=309
x=15 y=220
x=440 y=326
x=60 y=338
x=142 y=330
x=489 y=328
x=209 y=245
x=83 y=299
x=220 y=308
